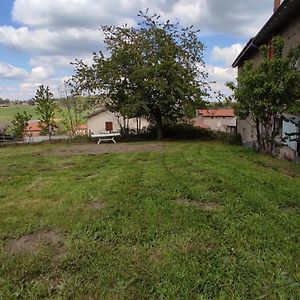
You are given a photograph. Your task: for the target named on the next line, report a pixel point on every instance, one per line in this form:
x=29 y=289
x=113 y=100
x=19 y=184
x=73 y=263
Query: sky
x=39 y=38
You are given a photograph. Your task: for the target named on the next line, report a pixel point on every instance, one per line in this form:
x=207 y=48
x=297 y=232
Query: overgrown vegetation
x=188 y=221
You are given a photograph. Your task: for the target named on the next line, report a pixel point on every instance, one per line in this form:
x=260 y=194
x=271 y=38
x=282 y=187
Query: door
x=109 y=126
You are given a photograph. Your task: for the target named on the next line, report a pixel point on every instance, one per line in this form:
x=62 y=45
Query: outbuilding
x=105 y=121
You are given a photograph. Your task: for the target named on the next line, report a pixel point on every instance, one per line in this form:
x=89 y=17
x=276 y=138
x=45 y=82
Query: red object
x=222 y=112
x=33 y=128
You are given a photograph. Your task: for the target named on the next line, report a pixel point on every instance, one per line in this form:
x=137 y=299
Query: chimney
x=276 y=4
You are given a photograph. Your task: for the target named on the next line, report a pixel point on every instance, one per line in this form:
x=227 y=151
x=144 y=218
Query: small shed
x=105 y=121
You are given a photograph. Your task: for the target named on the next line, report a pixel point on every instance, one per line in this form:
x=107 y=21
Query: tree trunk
x=159 y=128
x=124 y=125
x=258 y=135
x=49 y=132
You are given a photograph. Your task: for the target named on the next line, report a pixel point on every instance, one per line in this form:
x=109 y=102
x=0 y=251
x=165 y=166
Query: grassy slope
x=144 y=244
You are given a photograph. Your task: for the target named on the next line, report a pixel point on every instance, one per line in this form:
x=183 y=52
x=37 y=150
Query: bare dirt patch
x=93 y=149
x=289 y=209
x=31 y=243
x=205 y=206
x=210 y=246
x=155 y=256
x=202 y=172
x=37 y=185
x=97 y=205
x=193 y=246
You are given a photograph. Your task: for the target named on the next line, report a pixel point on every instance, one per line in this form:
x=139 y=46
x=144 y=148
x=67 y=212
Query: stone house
x=284 y=22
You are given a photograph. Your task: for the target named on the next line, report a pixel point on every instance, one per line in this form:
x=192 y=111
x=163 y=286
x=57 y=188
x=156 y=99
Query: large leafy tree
x=155 y=70
x=268 y=90
x=46 y=108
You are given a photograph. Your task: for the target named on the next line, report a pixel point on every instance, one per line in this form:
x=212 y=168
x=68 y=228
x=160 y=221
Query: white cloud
x=226 y=55
x=29 y=81
x=40 y=73
x=231 y=16
x=73 y=13
x=219 y=76
x=8 y=71
x=27 y=89
x=45 y=41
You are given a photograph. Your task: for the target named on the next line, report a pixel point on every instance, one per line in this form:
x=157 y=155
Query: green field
x=8 y=113
x=182 y=220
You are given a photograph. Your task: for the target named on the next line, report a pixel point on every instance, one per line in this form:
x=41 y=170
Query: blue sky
x=38 y=39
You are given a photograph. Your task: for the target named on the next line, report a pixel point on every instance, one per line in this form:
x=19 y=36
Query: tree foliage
x=20 y=124
x=155 y=70
x=46 y=108
x=267 y=91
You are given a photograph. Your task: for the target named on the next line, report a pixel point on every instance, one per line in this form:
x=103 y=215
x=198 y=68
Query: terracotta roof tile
x=33 y=126
x=222 y=112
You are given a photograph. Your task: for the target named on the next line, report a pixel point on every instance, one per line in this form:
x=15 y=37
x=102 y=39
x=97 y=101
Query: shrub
x=230 y=138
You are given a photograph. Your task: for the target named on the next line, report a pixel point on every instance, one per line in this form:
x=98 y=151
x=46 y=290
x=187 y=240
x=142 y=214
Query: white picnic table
x=108 y=136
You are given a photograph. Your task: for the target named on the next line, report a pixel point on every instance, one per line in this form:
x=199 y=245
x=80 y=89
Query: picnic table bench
x=109 y=136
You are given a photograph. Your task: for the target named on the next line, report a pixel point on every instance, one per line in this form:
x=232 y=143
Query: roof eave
x=281 y=15
x=242 y=54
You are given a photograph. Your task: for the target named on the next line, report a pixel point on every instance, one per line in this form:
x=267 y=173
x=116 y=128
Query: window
x=109 y=126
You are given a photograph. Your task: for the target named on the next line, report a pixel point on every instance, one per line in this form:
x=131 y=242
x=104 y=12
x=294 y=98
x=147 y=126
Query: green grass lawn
x=194 y=220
